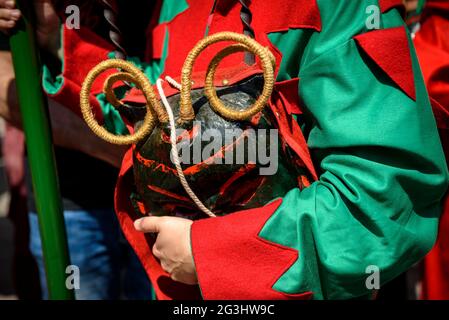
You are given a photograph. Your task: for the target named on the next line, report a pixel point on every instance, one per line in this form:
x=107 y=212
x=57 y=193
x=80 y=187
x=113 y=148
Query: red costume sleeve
x=82 y=50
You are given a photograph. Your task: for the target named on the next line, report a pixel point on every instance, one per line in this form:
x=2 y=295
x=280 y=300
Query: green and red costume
x=361 y=108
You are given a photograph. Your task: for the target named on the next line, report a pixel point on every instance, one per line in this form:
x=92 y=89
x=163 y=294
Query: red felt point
x=233 y=262
x=284 y=102
x=396 y=62
x=84 y=45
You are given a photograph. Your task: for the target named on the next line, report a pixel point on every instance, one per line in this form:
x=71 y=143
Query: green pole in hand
x=35 y=120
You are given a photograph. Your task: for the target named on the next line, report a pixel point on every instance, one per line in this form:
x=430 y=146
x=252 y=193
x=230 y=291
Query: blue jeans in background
x=109 y=268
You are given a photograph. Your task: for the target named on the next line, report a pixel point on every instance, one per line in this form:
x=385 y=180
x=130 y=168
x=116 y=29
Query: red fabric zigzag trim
x=234 y=262
x=395 y=62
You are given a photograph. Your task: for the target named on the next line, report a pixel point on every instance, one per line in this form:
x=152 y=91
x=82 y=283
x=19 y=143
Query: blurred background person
x=87 y=170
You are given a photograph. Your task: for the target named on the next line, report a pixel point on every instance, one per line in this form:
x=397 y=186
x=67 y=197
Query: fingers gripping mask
x=201 y=151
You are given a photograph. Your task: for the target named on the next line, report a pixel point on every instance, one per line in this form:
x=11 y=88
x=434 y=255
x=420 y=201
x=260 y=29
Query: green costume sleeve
x=382 y=168
x=382 y=171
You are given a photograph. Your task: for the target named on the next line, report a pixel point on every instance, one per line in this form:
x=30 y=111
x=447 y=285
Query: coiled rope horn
x=154 y=108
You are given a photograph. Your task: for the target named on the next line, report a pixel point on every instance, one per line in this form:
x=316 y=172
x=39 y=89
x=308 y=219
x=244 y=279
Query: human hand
x=47 y=22
x=8 y=15
x=172 y=246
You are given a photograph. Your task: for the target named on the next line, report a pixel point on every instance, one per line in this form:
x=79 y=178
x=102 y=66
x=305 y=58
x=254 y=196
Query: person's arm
x=372 y=213
x=68 y=55
x=69 y=130
x=372 y=135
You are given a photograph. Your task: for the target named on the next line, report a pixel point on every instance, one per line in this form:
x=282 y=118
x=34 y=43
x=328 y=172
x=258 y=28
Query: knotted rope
x=154 y=107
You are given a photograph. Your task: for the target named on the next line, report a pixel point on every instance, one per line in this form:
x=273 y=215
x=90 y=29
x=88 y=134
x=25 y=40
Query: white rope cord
x=173 y=82
x=174 y=150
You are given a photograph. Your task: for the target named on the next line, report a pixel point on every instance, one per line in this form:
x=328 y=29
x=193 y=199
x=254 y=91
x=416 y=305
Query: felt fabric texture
x=82 y=51
x=395 y=62
x=370 y=134
x=432 y=46
x=262 y=263
x=226 y=17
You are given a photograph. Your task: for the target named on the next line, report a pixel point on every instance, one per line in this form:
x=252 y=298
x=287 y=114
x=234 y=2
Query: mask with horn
x=164 y=184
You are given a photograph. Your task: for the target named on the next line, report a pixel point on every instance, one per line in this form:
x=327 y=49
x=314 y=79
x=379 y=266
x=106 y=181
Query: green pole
x=34 y=111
